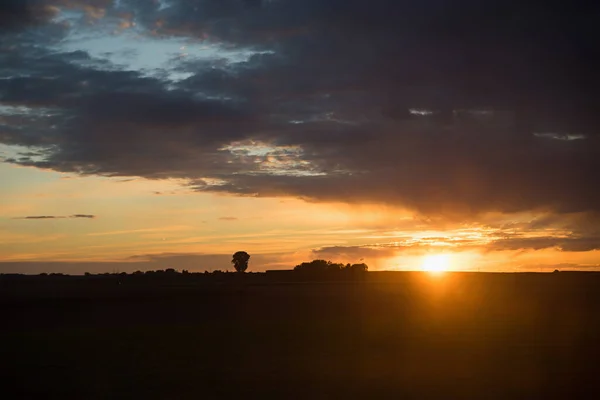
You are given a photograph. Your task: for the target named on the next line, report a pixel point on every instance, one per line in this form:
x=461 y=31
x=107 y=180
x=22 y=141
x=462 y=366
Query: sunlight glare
x=436 y=264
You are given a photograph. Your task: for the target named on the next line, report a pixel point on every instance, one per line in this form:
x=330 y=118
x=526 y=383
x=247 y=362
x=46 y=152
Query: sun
x=436 y=264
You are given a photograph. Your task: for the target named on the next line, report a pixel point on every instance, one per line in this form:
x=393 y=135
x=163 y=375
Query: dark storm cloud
x=116 y=122
x=449 y=108
x=17 y=14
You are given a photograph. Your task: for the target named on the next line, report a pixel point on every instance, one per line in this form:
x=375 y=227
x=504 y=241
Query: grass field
x=388 y=335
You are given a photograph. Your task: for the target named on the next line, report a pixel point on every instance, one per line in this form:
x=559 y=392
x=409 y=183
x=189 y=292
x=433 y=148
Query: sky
x=152 y=134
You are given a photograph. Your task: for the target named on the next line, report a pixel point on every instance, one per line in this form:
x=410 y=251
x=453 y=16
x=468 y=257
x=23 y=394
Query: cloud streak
x=43 y=217
x=228 y=219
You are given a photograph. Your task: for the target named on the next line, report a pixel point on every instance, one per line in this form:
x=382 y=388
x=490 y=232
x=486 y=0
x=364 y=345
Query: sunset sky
x=148 y=134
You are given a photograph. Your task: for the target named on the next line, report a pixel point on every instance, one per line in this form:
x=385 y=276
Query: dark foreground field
x=387 y=335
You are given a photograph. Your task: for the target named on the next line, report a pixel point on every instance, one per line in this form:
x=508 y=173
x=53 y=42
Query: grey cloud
x=382 y=250
x=353 y=252
x=567 y=233
x=574 y=232
x=567 y=244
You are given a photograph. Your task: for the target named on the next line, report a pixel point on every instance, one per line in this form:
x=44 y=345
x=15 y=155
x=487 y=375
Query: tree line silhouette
x=323 y=266
x=240 y=261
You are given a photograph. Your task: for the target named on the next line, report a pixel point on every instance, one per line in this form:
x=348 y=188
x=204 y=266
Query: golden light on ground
x=436 y=264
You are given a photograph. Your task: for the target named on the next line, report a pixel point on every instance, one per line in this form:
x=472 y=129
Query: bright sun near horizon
x=436 y=264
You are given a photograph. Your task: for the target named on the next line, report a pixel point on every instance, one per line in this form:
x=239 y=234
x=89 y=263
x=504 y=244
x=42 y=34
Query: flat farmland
x=380 y=335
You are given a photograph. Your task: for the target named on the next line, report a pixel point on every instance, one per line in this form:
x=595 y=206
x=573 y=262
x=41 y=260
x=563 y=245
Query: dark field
x=385 y=335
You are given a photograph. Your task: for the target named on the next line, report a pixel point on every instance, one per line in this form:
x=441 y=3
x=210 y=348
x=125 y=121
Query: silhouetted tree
x=240 y=261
